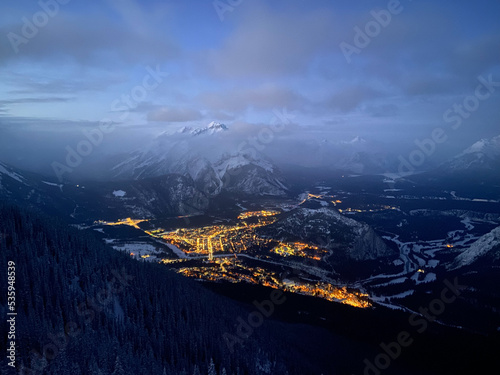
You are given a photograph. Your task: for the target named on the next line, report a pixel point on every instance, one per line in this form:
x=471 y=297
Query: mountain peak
x=489 y=147
x=212 y=128
x=485 y=145
x=185 y=129
x=484 y=154
x=217 y=125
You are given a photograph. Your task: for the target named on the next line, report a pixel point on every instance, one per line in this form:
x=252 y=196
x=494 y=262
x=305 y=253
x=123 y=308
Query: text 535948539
x=11 y=314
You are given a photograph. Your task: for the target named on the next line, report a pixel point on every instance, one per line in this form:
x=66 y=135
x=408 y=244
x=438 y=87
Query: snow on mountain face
x=167 y=194
x=482 y=154
x=236 y=173
x=180 y=154
x=167 y=153
x=239 y=160
x=241 y=173
x=212 y=128
x=488 y=147
x=478 y=249
x=328 y=228
x=185 y=129
x=5 y=171
x=203 y=173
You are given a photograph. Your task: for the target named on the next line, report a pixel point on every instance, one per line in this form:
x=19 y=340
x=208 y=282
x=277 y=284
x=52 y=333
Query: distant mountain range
x=362 y=156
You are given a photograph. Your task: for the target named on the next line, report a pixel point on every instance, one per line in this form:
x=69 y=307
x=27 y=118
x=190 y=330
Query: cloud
x=174 y=115
x=427 y=50
x=71 y=37
x=29 y=83
x=6 y=103
x=349 y=98
x=264 y=97
x=35 y=100
x=268 y=43
x=474 y=57
x=383 y=110
x=220 y=116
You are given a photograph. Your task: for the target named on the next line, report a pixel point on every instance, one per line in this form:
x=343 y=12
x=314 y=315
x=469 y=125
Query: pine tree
x=118 y=367
x=211 y=368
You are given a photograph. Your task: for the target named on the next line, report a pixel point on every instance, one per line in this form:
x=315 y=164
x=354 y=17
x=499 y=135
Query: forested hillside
x=83 y=308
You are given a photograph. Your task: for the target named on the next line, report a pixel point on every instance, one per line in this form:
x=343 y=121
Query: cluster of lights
x=381 y=208
x=128 y=221
x=236 y=272
x=299 y=249
x=221 y=239
x=246 y=215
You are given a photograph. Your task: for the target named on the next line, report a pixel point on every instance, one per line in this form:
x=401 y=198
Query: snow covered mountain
x=348 y=239
x=473 y=173
x=487 y=246
x=484 y=154
x=242 y=173
x=212 y=128
x=197 y=154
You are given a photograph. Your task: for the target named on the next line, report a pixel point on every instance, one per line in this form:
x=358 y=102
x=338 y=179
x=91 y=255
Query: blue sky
x=240 y=63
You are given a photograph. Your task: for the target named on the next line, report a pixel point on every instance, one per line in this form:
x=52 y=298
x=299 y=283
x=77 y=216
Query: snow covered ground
x=138 y=250
x=119 y=193
x=60 y=186
x=5 y=171
x=181 y=254
x=419 y=259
